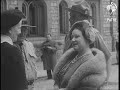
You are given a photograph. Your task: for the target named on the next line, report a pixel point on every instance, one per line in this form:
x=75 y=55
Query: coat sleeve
x=100 y=44
x=18 y=69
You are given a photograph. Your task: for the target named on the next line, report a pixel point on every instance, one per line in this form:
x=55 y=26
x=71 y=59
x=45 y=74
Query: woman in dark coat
x=48 y=57
x=12 y=65
x=87 y=69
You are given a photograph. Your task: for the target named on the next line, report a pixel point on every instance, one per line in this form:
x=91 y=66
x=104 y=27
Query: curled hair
x=86 y=30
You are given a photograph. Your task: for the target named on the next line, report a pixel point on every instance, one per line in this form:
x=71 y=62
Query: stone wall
x=53 y=18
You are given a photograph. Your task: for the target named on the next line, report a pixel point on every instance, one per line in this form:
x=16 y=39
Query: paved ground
x=42 y=83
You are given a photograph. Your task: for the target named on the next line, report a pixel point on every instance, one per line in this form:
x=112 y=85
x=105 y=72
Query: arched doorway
x=33 y=31
x=37 y=16
x=93 y=8
x=41 y=11
x=63 y=17
x=3 y=5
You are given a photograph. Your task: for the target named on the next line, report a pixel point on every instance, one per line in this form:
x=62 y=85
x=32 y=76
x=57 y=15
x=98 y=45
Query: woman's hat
x=10 y=18
x=81 y=7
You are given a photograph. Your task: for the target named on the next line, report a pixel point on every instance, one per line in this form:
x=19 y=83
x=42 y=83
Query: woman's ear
x=10 y=31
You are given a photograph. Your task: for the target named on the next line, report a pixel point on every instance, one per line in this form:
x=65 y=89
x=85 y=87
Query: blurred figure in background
x=48 y=57
x=28 y=52
x=59 y=50
x=117 y=49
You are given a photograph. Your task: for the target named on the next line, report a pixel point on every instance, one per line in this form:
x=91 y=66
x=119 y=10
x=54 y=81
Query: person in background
x=13 y=75
x=48 y=57
x=117 y=49
x=87 y=69
x=28 y=52
x=80 y=11
x=59 y=50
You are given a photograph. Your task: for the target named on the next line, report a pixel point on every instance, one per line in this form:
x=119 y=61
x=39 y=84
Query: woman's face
x=15 y=31
x=78 y=40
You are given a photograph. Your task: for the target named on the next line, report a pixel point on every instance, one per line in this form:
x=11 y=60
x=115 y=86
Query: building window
x=93 y=7
x=24 y=9
x=33 y=31
x=37 y=18
x=63 y=17
x=3 y=5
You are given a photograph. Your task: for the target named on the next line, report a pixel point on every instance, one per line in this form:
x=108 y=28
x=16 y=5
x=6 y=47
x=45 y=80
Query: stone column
x=53 y=18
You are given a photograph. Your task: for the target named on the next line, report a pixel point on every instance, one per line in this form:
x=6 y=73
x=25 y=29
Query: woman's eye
x=76 y=36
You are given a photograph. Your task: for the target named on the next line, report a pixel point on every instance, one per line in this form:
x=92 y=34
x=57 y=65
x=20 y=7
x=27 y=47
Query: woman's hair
x=86 y=30
x=10 y=18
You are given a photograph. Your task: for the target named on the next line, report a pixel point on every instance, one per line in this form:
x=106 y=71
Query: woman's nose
x=73 y=39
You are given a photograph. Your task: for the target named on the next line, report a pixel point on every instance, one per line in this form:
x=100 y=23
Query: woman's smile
x=74 y=44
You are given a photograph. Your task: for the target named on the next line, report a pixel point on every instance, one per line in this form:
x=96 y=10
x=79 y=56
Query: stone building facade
x=50 y=16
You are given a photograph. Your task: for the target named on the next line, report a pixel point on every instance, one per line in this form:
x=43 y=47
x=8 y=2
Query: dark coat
x=12 y=68
x=48 y=54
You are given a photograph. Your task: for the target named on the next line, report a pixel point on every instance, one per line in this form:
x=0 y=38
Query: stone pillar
x=53 y=18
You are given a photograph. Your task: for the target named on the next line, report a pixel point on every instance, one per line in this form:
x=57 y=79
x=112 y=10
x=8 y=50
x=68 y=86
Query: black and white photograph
x=59 y=45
